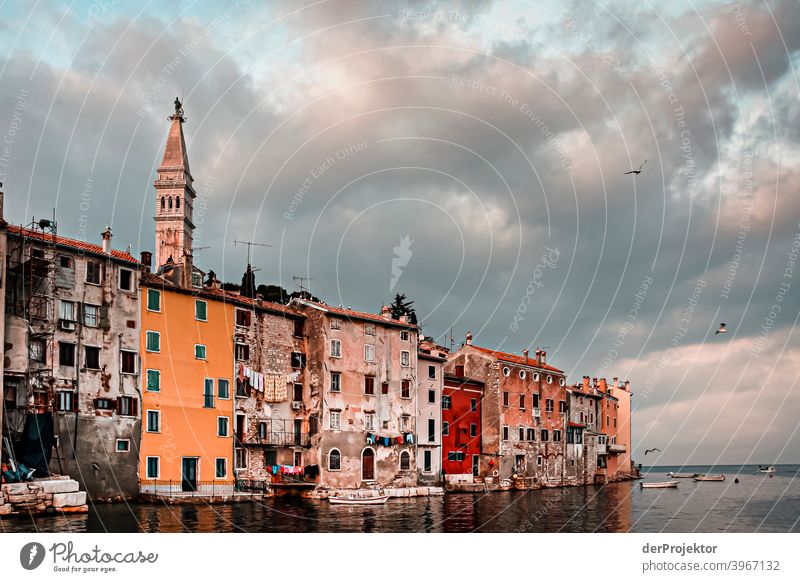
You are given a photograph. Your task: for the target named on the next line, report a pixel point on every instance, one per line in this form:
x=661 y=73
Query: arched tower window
x=163 y=203
x=170 y=202
x=178 y=202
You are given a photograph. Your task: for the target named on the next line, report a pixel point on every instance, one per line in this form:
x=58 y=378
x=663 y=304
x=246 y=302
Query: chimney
x=403 y=319
x=603 y=385
x=386 y=312
x=627 y=385
x=544 y=357
x=2 y=195
x=469 y=338
x=586 y=383
x=106 y=234
x=525 y=353
x=538 y=354
x=616 y=382
x=147 y=260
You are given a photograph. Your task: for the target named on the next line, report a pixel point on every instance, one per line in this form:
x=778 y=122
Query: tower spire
x=174 y=202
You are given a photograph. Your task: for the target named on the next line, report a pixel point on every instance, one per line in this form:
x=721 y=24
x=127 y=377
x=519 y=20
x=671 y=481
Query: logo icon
x=31 y=555
x=402 y=255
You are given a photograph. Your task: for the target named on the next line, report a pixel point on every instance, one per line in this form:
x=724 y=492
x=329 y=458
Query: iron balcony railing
x=616 y=448
x=186 y=488
x=281 y=439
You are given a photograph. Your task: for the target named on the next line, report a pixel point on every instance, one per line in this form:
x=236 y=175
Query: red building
x=461 y=427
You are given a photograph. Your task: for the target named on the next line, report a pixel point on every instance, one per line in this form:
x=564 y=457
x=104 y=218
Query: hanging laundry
x=399 y=440
x=410 y=438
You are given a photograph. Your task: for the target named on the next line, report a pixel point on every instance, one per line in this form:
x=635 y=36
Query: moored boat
x=710 y=478
x=682 y=475
x=659 y=485
x=355 y=500
x=766 y=469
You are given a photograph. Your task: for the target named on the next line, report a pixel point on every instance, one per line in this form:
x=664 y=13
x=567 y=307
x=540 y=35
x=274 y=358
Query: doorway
x=368 y=465
x=189 y=474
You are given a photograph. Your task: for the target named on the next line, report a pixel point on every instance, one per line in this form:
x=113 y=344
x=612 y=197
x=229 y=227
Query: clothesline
x=405 y=438
x=274 y=386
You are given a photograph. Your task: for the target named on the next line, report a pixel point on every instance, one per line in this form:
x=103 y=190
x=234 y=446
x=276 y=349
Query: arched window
x=536 y=376
x=405 y=461
x=163 y=203
x=178 y=202
x=368 y=464
x=549 y=379
x=170 y=203
x=522 y=374
x=334 y=460
x=506 y=371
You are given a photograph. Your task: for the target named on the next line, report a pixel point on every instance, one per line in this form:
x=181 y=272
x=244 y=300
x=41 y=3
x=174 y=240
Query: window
x=562 y=405
x=104 y=404
x=460 y=371
x=405 y=461
x=153 y=341
x=405 y=359
x=535 y=400
x=536 y=376
x=548 y=405
x=208 y=393
x=427 y=462
x=544 y=435
x=473 y=430
x=153 y=467
x=431 y=430
x=221 y=468
x=122 y=445
x=36 y=350
x=473 y=405
x=369 y=353
x=90 y=313
x=128 y=362
x=405 y=421
x=404 y=336
x=126 y=279
x=222 y=426
x=445 y=428
x=66 y=310
x=297 y=393
x=369 y=421
x=199 y=351
x=336 y=348
x=336 y=323
x=66 y=354
x=93 y=272
x=445 y=402
x=431 y=396
x=336 y=382
x=126 y=406
x=531 y=434
x=549 y=379
x=505 y=433
x=556 y=436
x=153 y=421
x=243 y=317
x=91 y=358
x=200 y=310
x=153 y=381
x=298 y=327
x=405 y=389
x=66 y=401
x=334 y=460
x=369 y=385
x=242 y=352
x=539 y=460
x=298 y=360
x=262 y=433
x=369 y=329
x=431 y=371
x=384 y=387
x=153 y=300
x=336 y=419
x=242 y=391
x=561 y=381
x=522 y=433
x=522 y=374
x=223 y=388
x=505 y=398
x=506 y=371
x=65 y=262
x=240 y=458
x=522 y=402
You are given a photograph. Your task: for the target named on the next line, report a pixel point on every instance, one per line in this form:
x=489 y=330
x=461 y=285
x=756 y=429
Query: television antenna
x=300 y=280
x=250 y=245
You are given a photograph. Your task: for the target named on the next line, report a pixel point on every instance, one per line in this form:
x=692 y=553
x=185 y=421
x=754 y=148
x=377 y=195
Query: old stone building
x=523 y=413
x=582 y=435
x=362 y=372
x=71 y=377
x=430 y=384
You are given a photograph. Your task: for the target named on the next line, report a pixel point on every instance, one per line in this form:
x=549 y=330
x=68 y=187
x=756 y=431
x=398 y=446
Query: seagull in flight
x=652 y=451
x=637 y=172
x=722 y=329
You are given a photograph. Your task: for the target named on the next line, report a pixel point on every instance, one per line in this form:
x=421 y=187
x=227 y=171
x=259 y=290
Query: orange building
x=187 y=400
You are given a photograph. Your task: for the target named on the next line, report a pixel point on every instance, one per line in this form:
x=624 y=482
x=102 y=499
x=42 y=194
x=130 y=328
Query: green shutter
x=200 y=352
x=153 y=381
x=153 y=341
x=153 y=300
x=200 y=310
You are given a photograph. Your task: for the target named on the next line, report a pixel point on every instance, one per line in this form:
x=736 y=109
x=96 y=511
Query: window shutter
x=105 y=321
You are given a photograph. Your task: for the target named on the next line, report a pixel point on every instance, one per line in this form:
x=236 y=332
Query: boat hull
x=710 y=478
x=682 y=475
x=664 y=485
x=359 y=500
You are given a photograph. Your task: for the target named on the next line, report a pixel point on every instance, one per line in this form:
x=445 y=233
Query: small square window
x=200 y=310
x=153 y=467
x=336 y=382
x=93 y=272
x=153 y=341
x=405 y=389
x=90 y=313
x=243 y=317
x=123 y=445
x=153 y=381
x=336 y=323
x=221 y=468
x=369 y=353
x=222 y=426
x=336 y=348
x=404 y=336
x=431 y=371
x=128 y=362
x=200 y=351
x=153 y=421
x=153 y=300
x=369 y=329
x=405 y=359
x=92 y=361
x=126 y=279
x=335 y=419
x=242 y=352
x=298 y=360
x=369 y=385
x=223 y=388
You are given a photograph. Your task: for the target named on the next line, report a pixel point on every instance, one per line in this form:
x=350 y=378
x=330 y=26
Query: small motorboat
x=709 y=478
x=681 y=475
x=659 y=485
x=767 y=469
x=356 y=500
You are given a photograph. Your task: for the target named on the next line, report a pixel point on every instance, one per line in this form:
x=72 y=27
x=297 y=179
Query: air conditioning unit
x=537 y=413
x=297 y=405
x=66 y=325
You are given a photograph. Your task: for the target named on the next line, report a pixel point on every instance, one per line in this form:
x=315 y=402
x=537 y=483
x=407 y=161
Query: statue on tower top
x=178 y=111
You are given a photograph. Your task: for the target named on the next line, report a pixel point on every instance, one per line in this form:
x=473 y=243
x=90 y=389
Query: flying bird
x=637 y=172
x=722 y=329
x=652 y=451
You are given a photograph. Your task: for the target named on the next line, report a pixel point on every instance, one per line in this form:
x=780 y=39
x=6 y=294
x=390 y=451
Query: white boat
x=710 y=478
x=355 y=500
x=682 y=475
x=767 y=469
x=659 y=485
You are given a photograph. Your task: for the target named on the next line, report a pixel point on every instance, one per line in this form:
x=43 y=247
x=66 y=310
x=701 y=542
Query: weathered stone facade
x=430 y=382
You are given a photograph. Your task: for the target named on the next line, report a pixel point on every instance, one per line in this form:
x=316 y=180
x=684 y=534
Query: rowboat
x=710 y=478
x=682 y=475
x=767 y=469
x=354 y=500
x=659 y=485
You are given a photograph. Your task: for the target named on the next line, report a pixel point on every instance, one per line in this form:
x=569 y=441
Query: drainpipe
x=78 y=376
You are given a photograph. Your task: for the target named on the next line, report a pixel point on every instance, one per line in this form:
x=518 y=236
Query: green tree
x=400 y=306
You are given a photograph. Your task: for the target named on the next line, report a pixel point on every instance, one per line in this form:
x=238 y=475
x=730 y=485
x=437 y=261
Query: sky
x=471 y=155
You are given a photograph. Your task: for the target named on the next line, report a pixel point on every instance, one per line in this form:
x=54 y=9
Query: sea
x=747 y=501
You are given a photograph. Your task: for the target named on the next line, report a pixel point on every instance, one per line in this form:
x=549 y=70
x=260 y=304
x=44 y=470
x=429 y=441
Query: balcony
x=615 y=449
x=280 y=439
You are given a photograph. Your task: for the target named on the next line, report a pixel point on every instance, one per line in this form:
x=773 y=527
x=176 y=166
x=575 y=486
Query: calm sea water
x=757 y=503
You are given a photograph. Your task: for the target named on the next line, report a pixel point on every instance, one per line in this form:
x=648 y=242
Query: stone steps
x=58 y=493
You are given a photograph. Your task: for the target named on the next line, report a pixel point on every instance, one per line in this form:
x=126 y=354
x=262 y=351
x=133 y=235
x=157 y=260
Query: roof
x=152 y=280
x=452 y=381
x=175 y=157
x=352 y=314
x=587 y=394
x=69 y=243
x=427 y=347
x=514 y=359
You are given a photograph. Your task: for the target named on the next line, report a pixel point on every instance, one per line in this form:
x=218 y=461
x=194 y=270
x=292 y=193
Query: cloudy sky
x=470 y=155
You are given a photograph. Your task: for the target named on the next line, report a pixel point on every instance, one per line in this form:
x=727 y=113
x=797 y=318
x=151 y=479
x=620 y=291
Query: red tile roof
x=77 y=245
x=352 y=314
x=514 y=359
